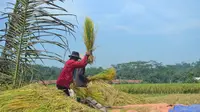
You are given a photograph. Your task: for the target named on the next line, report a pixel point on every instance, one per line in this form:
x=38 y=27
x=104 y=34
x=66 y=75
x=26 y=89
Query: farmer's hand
x=81 y=56
x=88 y=53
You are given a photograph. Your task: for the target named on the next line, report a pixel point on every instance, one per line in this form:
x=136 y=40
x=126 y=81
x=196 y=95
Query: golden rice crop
x=107 y=95
x=38 y=98
x=92 y=90
x=89 y=37
x=108 y=75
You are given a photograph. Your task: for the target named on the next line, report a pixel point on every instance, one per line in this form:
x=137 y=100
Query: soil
x=161 y=107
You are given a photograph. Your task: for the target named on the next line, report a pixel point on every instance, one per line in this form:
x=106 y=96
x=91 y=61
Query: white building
x=197 y=78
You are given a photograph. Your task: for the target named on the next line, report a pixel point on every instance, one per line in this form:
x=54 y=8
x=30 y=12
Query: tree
x=93 y=71
x=154 y=72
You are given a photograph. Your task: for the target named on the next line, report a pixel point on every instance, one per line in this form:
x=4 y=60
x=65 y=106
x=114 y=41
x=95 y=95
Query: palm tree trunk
x=18 y=61
x=19 y=49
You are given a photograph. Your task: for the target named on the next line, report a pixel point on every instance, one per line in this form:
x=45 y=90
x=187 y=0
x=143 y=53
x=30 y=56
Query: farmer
x=66 y=76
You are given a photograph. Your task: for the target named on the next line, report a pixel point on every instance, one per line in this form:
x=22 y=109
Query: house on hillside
x=197 y=78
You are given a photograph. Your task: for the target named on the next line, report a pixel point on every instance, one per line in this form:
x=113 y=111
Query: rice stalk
x=89 y=38
x=107 y=95
x=107 y=75
x=37 y=98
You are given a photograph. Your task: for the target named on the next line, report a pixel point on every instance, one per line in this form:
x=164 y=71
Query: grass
x=159 y=88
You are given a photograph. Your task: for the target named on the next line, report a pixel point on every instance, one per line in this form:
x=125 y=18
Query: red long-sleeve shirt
x=66 y=75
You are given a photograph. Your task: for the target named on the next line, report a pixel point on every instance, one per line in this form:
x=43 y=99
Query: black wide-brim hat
x=75 y=54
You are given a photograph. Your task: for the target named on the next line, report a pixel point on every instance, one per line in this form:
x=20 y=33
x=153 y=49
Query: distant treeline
x=149 y=72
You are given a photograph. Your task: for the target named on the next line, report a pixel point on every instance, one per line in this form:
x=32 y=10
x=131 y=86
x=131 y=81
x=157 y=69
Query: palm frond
x=30 y=23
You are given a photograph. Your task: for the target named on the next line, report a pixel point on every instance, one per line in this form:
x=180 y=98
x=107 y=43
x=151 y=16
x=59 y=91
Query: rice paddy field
x=176 y=88
x=180 y=93
x=35 y=97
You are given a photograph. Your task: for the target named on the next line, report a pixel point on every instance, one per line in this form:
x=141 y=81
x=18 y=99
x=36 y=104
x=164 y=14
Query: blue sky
x=166 y=31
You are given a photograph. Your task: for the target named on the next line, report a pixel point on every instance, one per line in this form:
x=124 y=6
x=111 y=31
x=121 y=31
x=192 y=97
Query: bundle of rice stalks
x=108 y=75
x=107 y=95
x=37 y=98
x=92 y=90
x=82 y=92
x=89 y=37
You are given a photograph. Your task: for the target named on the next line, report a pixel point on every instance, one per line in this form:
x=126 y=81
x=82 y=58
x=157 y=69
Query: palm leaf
x=31 y=23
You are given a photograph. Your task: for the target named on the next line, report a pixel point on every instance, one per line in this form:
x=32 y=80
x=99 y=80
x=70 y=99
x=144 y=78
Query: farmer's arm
x=80 y=64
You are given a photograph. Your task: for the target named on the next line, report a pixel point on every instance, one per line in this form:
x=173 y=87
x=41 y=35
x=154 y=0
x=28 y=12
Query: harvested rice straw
x=92 y=90
x=107 y=95
x=107 y=75
x=83 y=92
x=37 y=98
x=89 y=37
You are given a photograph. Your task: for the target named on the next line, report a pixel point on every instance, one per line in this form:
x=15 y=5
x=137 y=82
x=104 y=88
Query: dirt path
x=162 y=107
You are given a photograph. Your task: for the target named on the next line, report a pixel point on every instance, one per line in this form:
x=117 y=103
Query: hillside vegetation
x=148 y=71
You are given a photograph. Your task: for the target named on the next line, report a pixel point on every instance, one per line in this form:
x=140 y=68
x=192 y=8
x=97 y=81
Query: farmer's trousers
x=65 y=89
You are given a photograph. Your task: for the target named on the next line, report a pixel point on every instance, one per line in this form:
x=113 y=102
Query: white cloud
x=129 y=8
x=153 y=18
x=164 y=28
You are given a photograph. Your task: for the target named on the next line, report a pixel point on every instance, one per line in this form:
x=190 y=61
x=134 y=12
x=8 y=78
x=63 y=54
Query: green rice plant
x=159 y=88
